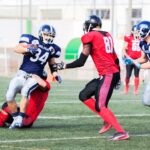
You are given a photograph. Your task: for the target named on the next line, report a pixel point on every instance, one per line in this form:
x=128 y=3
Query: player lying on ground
x=36 y=103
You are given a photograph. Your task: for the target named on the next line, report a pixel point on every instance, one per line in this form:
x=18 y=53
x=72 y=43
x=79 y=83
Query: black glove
x=61 y=66
x=32 y=50
x=58 y=79
x=118 y=85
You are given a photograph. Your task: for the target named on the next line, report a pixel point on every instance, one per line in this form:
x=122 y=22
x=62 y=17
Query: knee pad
x=82 y=96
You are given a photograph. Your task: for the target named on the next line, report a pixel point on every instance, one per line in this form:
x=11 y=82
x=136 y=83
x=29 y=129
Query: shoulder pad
x=29 y=39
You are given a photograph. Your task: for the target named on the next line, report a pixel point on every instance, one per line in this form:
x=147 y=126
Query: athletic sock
x=90 y=103
x=109 y=117
x=136 y=83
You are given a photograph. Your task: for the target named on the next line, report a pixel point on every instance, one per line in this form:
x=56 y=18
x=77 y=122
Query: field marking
x=16 y=147
x=91 y=116
x=69 y=138
x=78 y=101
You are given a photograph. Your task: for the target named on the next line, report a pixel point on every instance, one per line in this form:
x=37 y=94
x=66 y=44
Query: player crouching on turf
x=35 y=105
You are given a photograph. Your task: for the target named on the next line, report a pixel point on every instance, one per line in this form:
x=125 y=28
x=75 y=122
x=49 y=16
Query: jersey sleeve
x=57 y=51
x=25 y=38
x=28 y=39
x=87 y=38
x=126 y=38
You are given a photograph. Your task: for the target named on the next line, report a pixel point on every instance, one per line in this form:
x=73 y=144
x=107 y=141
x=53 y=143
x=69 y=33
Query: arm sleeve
x=79 y=62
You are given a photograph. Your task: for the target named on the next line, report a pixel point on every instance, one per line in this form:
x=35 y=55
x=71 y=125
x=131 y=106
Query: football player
x=36 y=53
x=144 y=32
x=36 y=103
x=144 y=61
x=131 y=49
x=99 y=44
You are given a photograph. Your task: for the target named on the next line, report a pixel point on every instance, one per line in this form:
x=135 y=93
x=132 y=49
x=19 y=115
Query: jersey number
x=42 y=58
x=135 y=46
x=108 y=44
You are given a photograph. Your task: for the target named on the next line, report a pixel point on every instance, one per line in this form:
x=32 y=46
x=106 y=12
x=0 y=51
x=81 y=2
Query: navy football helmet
x=92 y=22
x=144 y=29
x=135 y=32
x=134 y=28
x=47 y=33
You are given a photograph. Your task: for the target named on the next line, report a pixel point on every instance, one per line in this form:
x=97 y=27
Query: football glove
x=61 y=66
x=118 y=85
x=58 y=79
x=127 y=61
x=32 y=50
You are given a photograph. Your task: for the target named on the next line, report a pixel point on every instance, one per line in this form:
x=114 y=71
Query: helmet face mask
x=135 y=32
x=92 y=22
x=144 y=29
x=47 y=34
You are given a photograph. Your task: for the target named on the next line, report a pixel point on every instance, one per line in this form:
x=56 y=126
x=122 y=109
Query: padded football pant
x=101 y=88
x=146 y=95
x=129 y=69
x=21 y=83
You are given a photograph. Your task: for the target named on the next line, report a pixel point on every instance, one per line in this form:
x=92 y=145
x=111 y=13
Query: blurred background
x=67 y=16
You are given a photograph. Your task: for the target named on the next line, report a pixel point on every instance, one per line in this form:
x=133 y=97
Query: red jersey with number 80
x=133 y=49
x=102 y=51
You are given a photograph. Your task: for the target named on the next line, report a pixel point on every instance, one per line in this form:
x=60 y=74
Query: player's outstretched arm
x=78 y=62
x=142 y=59
x=40 y=81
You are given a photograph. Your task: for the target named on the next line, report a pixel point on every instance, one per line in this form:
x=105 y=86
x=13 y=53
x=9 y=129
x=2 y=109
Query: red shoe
x=105 y=128
x=119 y=136
x=135 y=91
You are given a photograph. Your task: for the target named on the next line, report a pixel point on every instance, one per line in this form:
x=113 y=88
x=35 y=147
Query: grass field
x=66 y=124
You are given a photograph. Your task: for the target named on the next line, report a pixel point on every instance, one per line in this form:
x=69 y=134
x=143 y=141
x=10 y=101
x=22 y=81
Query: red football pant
x=35 y=106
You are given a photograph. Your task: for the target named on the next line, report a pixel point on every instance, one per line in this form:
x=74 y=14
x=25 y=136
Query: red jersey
x=133 y=49
x=102 y=51
x=36 y=104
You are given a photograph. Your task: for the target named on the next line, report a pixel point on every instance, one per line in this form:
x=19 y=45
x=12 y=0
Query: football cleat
x=17 y=123
x=105 y=128
x=119 y=136
x=135 y=92
x=12 y=126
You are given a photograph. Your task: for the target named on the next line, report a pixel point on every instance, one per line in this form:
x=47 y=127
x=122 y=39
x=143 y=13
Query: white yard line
x=16 y=147
x=90 y=116
x=78 y=101
x=69 y=138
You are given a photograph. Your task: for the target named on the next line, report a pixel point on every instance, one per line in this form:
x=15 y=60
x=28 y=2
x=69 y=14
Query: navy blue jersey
x=35 y=64
x=145 y=48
